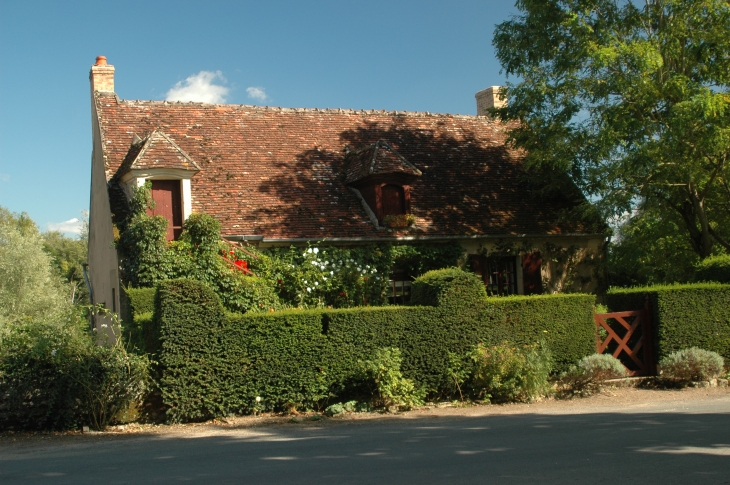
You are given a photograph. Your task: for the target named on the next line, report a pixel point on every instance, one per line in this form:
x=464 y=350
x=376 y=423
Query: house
x=279 y=176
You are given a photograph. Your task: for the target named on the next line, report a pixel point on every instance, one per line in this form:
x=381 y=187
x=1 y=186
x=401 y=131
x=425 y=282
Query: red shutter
x=531 y=275
x=168 y=204
x=393 y=200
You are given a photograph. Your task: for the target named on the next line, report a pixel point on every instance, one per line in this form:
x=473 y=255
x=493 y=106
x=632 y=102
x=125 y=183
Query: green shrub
x=449 y=285
x=302 y=358
x=714 y=268
x=504 y=373
x=54 y=376
x=389 y=387
x=591 y=371
x=693 y=364
x=190 y=320
x=683 y=316
x=203 y=232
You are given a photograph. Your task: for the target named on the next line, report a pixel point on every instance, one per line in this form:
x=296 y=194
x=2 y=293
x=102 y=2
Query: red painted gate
x=628 y=337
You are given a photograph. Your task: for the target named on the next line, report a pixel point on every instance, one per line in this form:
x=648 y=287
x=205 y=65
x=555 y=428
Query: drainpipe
x=85 y=267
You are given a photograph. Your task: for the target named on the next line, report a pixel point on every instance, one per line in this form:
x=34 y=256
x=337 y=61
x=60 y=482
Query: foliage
x=213 y=363
x=650 y=248
x=143 y=243
x=68 y=255
x=389 y=387
x=631 y=99
x=714 y=268
x=505 y=373
x=692 y=364
x=690 y=315
x=437 y=286
x=341 y=408
x=28 y=286
x=401 y=220
x=591 y=371
x=53 y=375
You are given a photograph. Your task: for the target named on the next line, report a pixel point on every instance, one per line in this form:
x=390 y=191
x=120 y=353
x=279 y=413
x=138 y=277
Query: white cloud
x=72 y=226
x=200 y=88
x=4 y=177
x=259 y=94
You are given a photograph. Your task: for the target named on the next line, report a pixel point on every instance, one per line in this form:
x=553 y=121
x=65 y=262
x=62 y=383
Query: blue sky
x=408 y=55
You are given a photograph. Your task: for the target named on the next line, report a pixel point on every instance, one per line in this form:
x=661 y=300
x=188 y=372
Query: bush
x=54 y=376
x=683 y=316
x=693 y=364
x=591 y=371
x=215 y=363
x=389 y=387
x=504 y=373
x=449 y=285
x=714 y=268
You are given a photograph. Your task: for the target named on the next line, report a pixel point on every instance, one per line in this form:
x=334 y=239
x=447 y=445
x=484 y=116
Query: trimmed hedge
x=714 y=268
x=684 y=316
x=137 y=319
x=215 y=363
x=443 y=286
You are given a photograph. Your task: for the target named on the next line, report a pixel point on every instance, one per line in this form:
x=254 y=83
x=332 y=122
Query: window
x=168 y=204
x=394 y=201
x=400 y=289
x=498 y=273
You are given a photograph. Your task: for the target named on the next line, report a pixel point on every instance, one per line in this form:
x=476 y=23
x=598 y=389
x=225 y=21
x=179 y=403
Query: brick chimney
x=102 y=75
x=489 y=98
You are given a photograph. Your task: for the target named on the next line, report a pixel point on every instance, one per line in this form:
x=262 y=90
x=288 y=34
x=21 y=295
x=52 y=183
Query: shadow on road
x=596 y=448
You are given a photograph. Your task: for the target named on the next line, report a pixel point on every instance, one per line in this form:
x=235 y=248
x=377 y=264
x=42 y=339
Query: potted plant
x=400 y=220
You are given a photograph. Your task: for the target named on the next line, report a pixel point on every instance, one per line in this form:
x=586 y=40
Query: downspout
x=85 y=267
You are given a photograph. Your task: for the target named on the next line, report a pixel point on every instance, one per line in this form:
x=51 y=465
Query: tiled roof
x=156 y=150
x=281 y=173
x=377 y=159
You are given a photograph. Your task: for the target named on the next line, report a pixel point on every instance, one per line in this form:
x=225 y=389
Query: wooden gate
x=628 y=337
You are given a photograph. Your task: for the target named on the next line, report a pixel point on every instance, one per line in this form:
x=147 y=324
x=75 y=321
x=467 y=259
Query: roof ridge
x=300 y=110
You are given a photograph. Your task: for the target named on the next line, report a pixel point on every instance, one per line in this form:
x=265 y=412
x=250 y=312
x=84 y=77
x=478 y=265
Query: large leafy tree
x=632 y=100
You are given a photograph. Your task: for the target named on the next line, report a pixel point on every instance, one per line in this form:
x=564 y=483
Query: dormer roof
x=378 y=158
x=156 y=151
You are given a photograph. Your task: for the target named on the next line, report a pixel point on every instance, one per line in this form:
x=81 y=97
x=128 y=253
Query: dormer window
x=382 y=177
x=157 y=158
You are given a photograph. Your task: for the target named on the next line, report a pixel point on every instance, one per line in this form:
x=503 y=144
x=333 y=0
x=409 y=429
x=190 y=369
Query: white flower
x=309 y=290
x=258 y=398
x=314 y=263
x=375 y=270
x=104 y=325
x=324 y=278
x=316 y=283
x=332 y=273
x=53 y=352
x=316 y=250
x=309 y=250
x=367 y=266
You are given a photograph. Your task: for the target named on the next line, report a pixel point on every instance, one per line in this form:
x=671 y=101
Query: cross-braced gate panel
x=627 y=336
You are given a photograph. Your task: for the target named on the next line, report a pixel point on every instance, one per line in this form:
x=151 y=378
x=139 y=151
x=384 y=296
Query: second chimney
x=489 y=98
x=102 y=76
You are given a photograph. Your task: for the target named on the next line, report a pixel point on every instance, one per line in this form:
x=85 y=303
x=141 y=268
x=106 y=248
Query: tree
x=68 y=256
x=631 y=100
x=29 y=289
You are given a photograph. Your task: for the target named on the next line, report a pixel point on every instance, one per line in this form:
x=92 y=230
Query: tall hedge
x=215 y=363
x=714 y=268
x=692 y=315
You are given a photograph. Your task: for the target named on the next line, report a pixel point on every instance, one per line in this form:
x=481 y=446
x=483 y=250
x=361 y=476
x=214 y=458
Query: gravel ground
x=619 y=399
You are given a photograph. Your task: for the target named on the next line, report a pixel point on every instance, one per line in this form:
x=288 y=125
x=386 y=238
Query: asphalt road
x=658 y=443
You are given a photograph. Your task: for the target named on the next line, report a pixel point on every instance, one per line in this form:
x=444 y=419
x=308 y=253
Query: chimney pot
x=102 y=76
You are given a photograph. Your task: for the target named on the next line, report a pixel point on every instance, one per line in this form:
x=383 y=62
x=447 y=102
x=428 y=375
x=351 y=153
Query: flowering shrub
x=247 y=279
x=318 y=277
